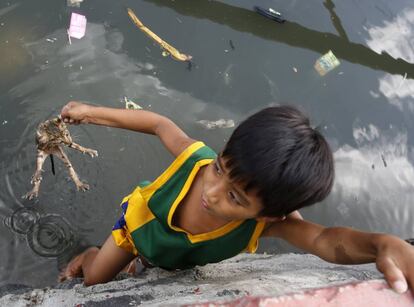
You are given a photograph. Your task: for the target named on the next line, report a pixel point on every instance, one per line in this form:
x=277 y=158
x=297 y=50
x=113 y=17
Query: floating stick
x=174 y=52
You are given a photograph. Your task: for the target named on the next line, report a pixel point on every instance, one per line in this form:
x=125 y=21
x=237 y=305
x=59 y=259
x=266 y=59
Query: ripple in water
x=50 y=236
x=22 y=220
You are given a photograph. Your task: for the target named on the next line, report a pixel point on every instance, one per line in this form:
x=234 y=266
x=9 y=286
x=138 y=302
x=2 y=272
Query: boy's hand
x=75 y=113
x=395 y=259
x=343 y=245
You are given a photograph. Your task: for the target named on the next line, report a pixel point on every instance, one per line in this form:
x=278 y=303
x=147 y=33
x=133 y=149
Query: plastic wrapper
x=129 y=104
x=326 y=63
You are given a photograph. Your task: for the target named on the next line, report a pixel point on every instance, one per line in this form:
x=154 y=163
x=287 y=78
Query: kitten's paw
x=82 y=186
x=92 y=153
x=30 y=195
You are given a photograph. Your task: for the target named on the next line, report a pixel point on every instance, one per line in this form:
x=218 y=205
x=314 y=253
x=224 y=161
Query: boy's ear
x=271 y=219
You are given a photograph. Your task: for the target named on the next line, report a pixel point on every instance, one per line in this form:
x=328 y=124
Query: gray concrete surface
x=244 y=275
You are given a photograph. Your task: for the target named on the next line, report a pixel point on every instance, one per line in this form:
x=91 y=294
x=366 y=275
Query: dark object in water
x=383 y=160
x=270 y=13
x=231 y=45
x=189 y=65
x=53 y=164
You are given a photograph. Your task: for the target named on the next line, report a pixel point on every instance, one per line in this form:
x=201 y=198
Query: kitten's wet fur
x=50 y=136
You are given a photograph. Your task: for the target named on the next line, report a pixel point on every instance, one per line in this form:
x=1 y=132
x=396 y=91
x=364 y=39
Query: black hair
x=276 y=152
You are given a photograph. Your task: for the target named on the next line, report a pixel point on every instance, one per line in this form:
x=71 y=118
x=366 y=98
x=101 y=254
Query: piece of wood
x=174 y=52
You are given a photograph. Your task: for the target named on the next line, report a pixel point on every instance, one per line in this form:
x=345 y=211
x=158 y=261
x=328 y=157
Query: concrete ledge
x=245 y=280
x=367 y=293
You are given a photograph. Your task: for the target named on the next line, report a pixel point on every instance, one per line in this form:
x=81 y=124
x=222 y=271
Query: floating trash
x=129 y=104
x=326 y=63
x=50 y=236
x=163 y=44
x=221 y=123
x=77 y=26
x=22 y=220
x=73 y=3
x=270 y=13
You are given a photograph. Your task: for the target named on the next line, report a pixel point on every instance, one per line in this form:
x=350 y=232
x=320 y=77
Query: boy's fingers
x=392 y=274
x=65 y=110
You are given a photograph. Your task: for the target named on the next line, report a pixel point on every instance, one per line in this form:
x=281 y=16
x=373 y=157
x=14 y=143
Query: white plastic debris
x=77 y=26
x=129 y=104
x=221 y=123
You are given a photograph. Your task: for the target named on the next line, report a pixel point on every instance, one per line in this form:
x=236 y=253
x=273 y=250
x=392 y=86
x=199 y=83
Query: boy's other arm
x=393 y=256
x=173 y=138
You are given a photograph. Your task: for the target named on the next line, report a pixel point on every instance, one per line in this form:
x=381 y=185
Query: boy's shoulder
x=292 y=226
x=197 y=148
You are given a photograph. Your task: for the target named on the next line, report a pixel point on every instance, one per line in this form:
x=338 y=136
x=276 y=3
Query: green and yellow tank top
x=146 y=228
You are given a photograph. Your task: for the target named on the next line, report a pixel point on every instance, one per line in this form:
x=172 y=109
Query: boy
x=205 y=208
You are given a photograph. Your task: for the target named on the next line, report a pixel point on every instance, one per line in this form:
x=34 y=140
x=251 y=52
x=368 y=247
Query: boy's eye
x=234 y=198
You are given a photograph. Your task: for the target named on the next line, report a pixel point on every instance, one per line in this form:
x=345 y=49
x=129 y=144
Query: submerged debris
x=189 y=65
x=221 y=123
x=73 y=3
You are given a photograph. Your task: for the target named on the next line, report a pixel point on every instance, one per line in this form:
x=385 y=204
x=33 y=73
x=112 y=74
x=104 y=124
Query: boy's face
x=226 y=199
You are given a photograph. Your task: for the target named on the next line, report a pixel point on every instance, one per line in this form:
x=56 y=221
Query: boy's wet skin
x=273 y=164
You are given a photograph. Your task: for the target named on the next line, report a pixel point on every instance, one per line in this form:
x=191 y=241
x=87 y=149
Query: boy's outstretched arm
x=174 y=139
x=393 y=256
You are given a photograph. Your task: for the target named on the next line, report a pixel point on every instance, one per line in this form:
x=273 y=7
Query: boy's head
x=288 y=163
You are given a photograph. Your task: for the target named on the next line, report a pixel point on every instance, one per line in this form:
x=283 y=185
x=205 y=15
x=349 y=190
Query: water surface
x=241 y=62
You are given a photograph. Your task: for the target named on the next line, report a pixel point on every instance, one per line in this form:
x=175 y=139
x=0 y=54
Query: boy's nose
x=213 y=192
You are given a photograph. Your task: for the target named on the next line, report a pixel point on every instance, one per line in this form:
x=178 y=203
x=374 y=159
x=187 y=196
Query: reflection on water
x=336 y=21
x=242 y=62
x=398 y=90
x=376 y=175
x=395 y=37
x=245 y=20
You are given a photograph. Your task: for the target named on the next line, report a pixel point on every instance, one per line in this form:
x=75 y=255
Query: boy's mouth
x=204 y=202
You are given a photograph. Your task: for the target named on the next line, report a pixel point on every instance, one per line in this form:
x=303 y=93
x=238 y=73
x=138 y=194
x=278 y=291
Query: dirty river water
x=241 y=62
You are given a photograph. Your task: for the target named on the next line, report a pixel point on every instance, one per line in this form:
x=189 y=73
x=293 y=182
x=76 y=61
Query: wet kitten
x=50 y=136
